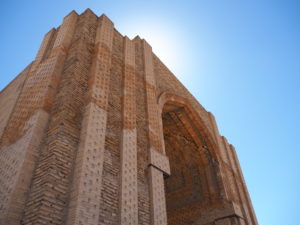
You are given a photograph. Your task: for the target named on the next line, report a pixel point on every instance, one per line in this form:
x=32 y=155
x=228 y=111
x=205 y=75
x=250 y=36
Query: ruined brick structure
x=96 y=130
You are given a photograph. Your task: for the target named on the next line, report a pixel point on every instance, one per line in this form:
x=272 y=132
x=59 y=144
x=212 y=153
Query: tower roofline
x=72 y=12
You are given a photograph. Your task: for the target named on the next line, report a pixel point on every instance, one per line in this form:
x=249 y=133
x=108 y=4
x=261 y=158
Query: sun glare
x=167 y=43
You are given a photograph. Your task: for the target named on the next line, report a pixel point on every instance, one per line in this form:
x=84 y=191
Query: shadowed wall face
x=187 y=189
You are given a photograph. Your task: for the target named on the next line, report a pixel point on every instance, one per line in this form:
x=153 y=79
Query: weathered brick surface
x=142 y=141
x=87 y=181
x=129 y=189
x=96 y=130
x=190 y=189
x=110 y=194
x=8 y=98
x=17 y=163
x=51 y=181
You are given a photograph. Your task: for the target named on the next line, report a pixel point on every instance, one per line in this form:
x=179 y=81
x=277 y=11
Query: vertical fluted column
x=129 y=194
x=86 y=188
x=45 y=197
x=154 y=135
x=236 y=194
x=230 y=174
x=158 y=162
x=28 y=121
x=44 y=47
x=223 y=155
x=246 y=200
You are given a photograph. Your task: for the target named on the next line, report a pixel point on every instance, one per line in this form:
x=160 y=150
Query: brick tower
x=97 y=131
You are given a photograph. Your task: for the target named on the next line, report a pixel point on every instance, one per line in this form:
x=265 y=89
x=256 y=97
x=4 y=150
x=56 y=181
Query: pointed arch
x=176 y=100
x=195 y=182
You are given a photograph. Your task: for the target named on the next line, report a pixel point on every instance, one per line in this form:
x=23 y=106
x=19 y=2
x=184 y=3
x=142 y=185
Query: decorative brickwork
x=86 y=192
x=97 y=131
x=129 y=195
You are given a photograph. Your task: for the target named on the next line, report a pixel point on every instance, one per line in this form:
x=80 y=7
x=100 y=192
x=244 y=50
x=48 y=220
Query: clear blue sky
x=240 y=59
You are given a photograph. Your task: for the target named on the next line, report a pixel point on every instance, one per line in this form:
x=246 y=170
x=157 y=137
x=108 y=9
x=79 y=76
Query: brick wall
x=97 y=130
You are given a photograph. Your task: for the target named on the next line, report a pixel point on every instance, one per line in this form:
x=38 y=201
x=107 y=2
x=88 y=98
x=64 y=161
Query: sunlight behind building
x=167 y=42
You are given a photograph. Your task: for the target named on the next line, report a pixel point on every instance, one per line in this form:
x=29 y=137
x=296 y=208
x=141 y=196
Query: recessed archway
x=192 y=187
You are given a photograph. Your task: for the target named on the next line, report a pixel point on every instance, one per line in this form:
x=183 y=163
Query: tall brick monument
x=96 y=130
